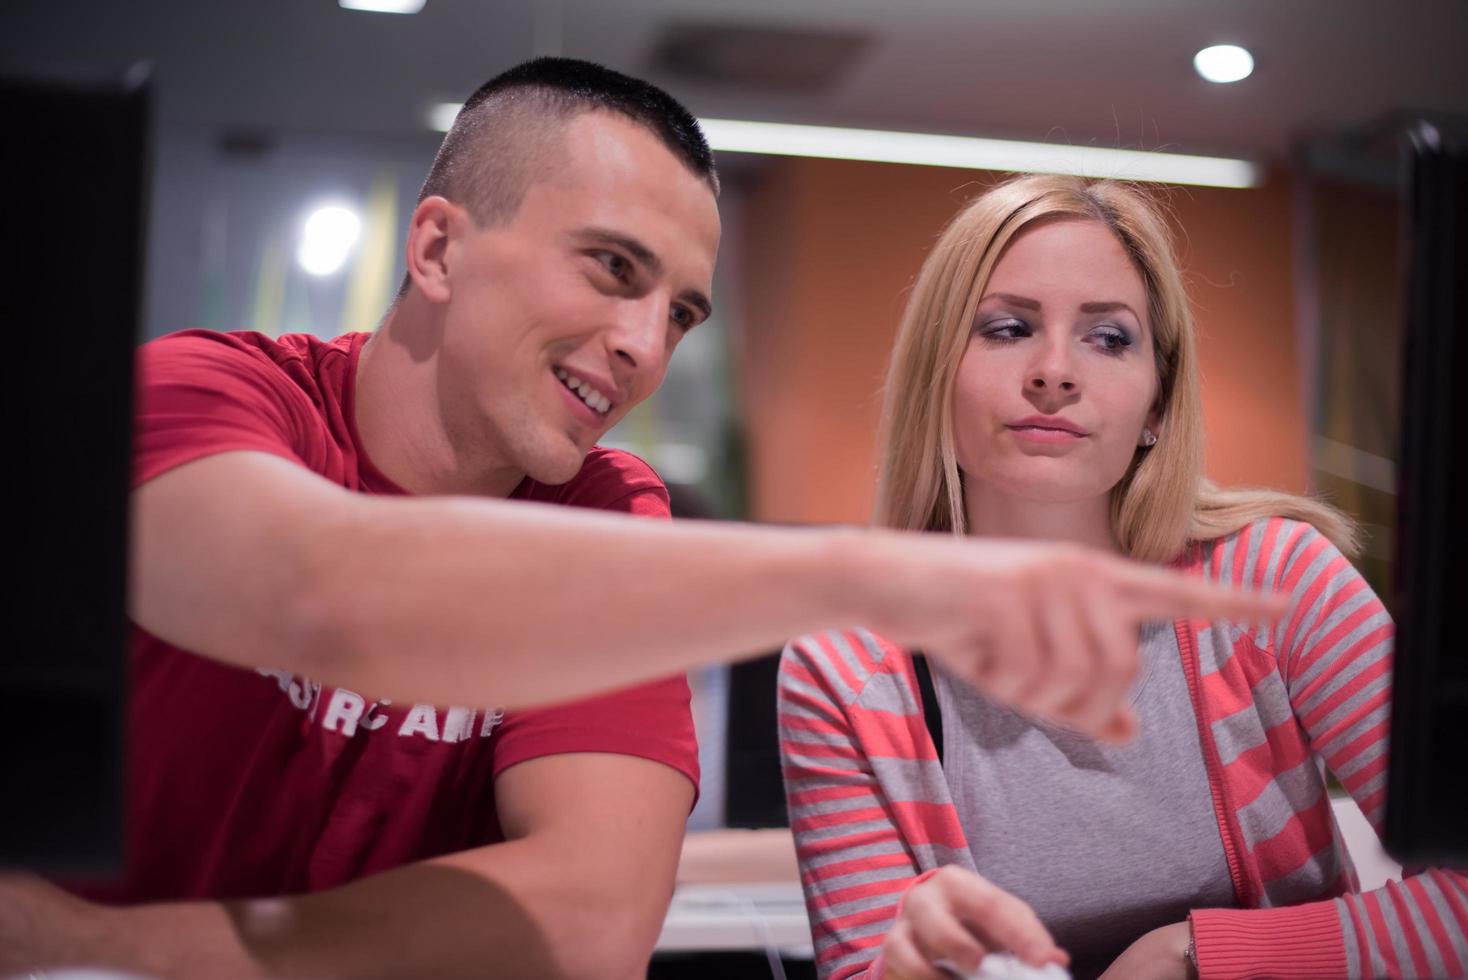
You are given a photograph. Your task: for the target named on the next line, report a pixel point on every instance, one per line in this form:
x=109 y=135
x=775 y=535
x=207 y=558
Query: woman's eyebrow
x=1109 y=307
x=1025 y=302
x=1013 y=300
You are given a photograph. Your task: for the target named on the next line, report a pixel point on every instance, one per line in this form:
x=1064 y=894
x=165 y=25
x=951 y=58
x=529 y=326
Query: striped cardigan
x=871 y=811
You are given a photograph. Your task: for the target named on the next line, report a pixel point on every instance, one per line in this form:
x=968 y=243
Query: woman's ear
x=1152 y=431
x=429 y=231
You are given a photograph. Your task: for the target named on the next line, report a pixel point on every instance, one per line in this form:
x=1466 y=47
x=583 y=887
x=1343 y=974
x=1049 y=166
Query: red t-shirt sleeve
x=201 y=393
x=652 y=721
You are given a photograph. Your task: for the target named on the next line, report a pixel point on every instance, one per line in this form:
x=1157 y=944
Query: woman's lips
x=1045 y=434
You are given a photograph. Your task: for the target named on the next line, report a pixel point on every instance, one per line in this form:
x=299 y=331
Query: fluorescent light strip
x=968 y=152
x=881 y=146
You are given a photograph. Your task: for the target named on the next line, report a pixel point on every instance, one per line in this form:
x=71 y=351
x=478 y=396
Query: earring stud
x=1149 y=438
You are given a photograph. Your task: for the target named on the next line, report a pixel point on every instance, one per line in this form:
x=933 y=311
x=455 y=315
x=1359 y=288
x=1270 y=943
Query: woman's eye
x=1006 y=329
x=1112 y=339
x=684 y=317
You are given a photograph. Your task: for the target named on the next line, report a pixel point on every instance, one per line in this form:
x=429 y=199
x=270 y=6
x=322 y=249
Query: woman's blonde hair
x=1163 y=502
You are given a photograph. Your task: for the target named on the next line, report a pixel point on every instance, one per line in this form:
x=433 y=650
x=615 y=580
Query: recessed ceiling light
x=327 y=239
x=1224 y=63
x=383 y=6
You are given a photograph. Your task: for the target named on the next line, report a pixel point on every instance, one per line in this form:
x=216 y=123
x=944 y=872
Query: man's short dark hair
x=508 y=131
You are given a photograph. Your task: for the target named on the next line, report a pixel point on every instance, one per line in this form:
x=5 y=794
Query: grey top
x=1105 y=843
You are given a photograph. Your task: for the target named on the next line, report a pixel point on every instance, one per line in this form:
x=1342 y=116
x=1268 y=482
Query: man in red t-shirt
x=347 y=596
x=564 y=244
x=268 y=782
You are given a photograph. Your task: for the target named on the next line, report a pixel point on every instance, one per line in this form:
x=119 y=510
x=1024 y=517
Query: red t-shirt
x=253 y=782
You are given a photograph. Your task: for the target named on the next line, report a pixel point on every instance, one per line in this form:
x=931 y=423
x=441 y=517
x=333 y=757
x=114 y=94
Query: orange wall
x=831 y=248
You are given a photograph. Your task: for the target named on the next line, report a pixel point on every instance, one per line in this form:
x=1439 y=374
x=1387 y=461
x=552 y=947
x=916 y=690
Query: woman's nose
x=1052 y=375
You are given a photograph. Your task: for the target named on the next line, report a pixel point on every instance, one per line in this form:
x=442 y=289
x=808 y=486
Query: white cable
x=761 y=926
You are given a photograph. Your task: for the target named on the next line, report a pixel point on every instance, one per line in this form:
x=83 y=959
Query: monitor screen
x=754 y=794
x=1427 y=773
x=74 y=170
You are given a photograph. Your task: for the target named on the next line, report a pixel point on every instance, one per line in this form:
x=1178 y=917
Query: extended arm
x=243 y=555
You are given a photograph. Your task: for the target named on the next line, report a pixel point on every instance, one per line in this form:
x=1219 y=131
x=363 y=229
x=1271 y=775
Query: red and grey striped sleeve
x=1334 y=653
x=854 y=865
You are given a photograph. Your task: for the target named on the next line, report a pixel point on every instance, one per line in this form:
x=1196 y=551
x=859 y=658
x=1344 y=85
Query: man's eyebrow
x=646 y=256
x=649 y=260
x=697 y=299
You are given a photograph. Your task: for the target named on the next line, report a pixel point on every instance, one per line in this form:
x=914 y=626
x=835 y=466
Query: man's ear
x=432 y=225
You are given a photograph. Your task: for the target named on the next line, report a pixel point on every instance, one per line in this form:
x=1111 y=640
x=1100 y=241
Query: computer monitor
x=754 y=794
x=73 y=174
x=1427 y=778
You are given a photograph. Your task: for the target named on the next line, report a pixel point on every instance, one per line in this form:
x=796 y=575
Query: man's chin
x=560 y=466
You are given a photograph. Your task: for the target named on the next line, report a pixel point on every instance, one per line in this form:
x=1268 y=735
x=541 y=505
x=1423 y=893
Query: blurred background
x=290 y=138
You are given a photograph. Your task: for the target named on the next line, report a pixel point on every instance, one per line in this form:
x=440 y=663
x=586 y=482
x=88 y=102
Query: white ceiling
x=1115 y=73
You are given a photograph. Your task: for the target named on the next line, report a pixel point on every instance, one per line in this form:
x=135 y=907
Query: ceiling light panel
x=383 y=6
x=882 y=146
x=968 y=152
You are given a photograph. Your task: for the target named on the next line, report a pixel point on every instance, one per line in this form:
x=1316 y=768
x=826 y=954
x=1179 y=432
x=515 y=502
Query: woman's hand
x=956 y=917
x=1049 y=629
x=1158 y=955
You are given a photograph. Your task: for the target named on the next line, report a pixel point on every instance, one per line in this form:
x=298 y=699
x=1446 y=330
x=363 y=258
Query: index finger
x=1161 y=594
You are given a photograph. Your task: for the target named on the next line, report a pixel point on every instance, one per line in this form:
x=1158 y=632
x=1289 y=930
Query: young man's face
x=563 y=318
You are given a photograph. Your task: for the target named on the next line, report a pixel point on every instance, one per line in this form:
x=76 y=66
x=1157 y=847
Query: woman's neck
x=998 y=515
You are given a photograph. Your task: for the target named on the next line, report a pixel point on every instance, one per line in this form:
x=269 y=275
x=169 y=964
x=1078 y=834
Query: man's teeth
x=586 y=392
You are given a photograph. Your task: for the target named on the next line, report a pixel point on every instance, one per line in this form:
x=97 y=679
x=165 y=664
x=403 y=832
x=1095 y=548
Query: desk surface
x=747 y=916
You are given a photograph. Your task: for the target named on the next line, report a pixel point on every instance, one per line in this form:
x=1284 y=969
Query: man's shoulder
x=609 y=479
x=246 y=342
x=241 y=351
x=201 y=392
x=630 y=469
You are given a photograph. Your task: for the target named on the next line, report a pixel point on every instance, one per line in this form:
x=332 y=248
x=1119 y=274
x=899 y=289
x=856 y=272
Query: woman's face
x=1058 y=379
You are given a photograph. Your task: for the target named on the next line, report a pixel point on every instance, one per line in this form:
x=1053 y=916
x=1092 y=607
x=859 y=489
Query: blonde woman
x=1044 y=386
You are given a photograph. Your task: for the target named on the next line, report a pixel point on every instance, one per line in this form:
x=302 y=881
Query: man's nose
x=639 y=332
